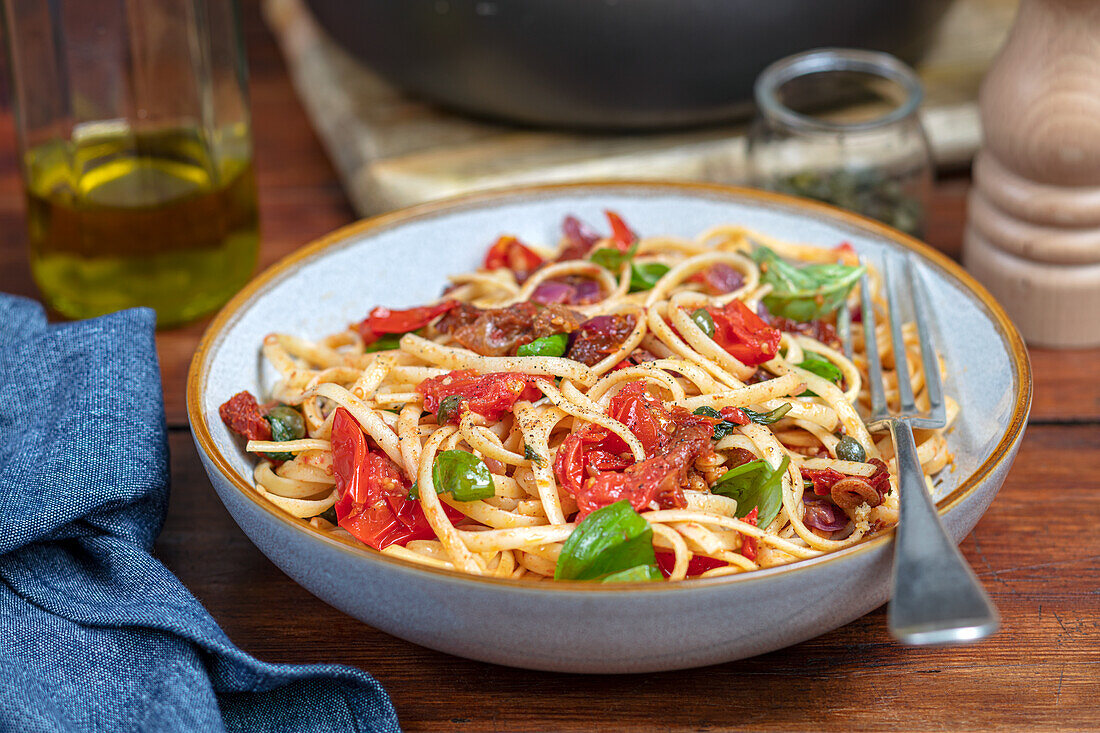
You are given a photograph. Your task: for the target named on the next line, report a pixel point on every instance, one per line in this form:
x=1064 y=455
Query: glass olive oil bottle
x=118 y=219
x=134 y=135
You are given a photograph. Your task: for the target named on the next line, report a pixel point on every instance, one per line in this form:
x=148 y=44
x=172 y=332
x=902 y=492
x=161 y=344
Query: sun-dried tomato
x=241 y=414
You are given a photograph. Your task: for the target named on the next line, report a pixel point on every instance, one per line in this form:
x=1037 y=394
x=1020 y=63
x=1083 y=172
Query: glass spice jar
x=841 y=126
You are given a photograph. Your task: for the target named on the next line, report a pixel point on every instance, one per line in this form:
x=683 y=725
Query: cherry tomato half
x=743 y=334
x=510 y=253
x=372 y=496
x=382 y=320
x=490 y=395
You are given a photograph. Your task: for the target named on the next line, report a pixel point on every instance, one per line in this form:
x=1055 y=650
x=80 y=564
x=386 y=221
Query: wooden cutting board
x=393 y=151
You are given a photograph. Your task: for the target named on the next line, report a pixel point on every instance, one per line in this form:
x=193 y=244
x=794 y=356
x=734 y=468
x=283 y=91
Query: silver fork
x=936 y=598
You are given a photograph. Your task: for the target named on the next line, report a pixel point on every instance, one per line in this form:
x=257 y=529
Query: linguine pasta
x=648 y=394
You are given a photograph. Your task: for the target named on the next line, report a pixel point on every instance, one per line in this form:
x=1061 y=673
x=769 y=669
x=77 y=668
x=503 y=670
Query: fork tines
x=936 y=415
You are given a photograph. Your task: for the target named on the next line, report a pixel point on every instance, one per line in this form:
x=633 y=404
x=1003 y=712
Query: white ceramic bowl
x=401 y=259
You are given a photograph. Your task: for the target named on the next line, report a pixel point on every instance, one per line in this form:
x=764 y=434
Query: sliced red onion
x=825 y=516
x=553 y=291
x=586 y=291
x=721 y=278
x=578 y=292
x=578 y=233
x=599 y=324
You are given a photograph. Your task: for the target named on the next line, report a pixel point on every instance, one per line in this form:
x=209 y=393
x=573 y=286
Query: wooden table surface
x=1037 y=549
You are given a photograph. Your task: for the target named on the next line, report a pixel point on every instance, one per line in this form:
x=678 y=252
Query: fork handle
x=936 y=597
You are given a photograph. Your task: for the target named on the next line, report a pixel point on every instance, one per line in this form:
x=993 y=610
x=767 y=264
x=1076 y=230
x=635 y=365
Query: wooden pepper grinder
x=1033 y=230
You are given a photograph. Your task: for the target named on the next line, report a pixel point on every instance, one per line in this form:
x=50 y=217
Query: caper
x=849 y=449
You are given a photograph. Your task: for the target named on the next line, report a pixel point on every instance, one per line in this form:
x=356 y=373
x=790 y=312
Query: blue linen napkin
x=97 y=635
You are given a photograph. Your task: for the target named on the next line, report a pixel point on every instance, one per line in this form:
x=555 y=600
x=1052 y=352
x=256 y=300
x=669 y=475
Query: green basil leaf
x=704 y=321
x=754 y=485
x=530 y=454
x=804 y=293
x=448 y=408
x=820 y=366
x=462 y=475
x=329 y=515
x=613 y=259
x=546 y=346
x=387 y=342
x=643 y=276
x=608 y=541
x=767 y=418
x=737 y=480
x=414 y=492
x=721 y=429
x=638 y=573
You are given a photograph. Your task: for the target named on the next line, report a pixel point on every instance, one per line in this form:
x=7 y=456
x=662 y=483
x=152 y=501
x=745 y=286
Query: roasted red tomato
x=743 y=334
x=371 y=493
x=644 y=414
x=656 y=479
x=621 y=235
x=697 y=565
x=489 y=395
x=513 y=254
x=373 y=504
x=847 y=252
x=749 y=544
x=569 y=463
x=735 y=415
x=594 y=450
x=242 y=415
x=588 y=452
x=653 y=479
x=381 y=320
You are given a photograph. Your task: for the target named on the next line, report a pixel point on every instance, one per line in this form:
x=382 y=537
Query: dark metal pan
x=611 y=64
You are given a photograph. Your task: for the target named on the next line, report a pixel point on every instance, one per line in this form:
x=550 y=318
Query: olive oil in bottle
x=164 y=218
